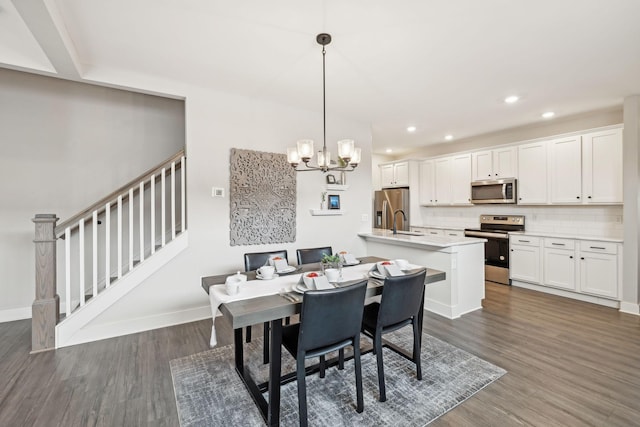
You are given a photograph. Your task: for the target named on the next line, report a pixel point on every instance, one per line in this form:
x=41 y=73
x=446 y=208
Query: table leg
x=239 y=356
x=273 y=416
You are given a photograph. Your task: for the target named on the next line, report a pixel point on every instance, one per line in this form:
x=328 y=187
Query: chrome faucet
x=395 y=230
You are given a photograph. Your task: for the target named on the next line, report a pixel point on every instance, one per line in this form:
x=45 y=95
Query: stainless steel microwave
x=494 y=191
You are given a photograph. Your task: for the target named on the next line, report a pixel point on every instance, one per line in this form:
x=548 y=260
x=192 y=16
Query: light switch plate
x=364 y=218
x=217 y=192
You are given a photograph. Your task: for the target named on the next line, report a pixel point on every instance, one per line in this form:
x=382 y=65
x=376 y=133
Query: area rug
x=210 y=393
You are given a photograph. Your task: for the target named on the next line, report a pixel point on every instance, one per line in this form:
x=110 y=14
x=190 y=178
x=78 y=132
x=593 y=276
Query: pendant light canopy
x=348 y=154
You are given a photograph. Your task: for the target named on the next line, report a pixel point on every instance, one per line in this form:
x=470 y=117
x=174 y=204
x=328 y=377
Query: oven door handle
x=486 y=235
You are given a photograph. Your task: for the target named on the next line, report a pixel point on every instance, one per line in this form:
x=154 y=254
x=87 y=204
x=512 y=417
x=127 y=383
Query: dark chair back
x=255 y=260
x=331 y=316
x=401 y=298
x=311 y=255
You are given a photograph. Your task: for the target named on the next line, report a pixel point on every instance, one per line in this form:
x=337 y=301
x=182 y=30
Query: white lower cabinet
x=559 y=261
x=584 y=268
x=599 y=268
x=524 y=259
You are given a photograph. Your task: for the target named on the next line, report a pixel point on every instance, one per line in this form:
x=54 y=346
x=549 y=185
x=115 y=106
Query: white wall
x=217 y=122
x=63 y=146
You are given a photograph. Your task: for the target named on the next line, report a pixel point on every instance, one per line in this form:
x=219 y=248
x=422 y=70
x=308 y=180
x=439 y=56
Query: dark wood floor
x=569 y=363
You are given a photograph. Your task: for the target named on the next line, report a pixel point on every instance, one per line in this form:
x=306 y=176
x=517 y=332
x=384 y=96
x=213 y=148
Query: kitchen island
x=461 y=258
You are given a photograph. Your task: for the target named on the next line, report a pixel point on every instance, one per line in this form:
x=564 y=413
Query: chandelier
x=348 y=154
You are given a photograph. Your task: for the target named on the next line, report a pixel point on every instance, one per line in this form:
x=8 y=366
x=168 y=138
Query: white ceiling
x=443 y=66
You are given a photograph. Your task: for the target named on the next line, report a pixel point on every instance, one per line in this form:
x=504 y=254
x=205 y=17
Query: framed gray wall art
x=262 y=198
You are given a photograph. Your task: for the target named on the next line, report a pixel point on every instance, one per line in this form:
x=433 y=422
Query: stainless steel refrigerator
x=385 y=203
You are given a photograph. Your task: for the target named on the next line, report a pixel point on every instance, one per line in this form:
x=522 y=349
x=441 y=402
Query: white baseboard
x=132 y=326
x=12 y=314
x=568 y=294
x=630 y=308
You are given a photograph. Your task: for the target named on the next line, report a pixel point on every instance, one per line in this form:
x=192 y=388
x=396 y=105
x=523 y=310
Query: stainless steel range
x=495 y=229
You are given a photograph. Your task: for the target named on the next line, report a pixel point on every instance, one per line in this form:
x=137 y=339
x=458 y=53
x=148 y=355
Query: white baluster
x=107 y=245
x=67 y=269
x=183 y=219
x=173 y=200
x=163 y=203
x=81 y=257
x=141 y=196
x=152 y=207
x=94 y=270
x=131 y=229
x=119 y=236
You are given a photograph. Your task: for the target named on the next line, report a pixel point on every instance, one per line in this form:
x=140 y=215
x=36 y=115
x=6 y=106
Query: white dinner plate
x=354 y=263
x=259 y=277
x=300 y=288
x=377 y=275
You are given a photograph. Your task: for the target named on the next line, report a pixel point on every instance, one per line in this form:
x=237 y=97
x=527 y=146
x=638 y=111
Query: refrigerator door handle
x=384 y=215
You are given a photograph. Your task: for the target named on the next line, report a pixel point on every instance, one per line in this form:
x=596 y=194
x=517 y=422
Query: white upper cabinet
x=394 y=175
x=443 y=181
x=602 y=166
x=532 y=173
x=586 y=169
x=494 y=164
x=565 y=166
x=461 y=179
x=427 y=182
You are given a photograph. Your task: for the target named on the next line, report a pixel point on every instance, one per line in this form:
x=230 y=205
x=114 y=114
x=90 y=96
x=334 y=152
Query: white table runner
x=258 y=288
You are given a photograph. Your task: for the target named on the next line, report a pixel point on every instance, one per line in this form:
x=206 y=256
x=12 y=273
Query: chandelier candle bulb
x=305 y=149
x=345 y=149
x=292 y=156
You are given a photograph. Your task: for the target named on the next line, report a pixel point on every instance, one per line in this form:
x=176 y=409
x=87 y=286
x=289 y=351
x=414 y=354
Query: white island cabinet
x=461 y=258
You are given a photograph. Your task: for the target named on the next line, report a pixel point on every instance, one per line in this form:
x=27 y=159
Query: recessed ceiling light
x=548 y=115
x=389 y=150
x=448 y=137
x=411 y=129
x=511 y=99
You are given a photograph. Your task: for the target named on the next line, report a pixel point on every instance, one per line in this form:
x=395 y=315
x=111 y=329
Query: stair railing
x=94 y=247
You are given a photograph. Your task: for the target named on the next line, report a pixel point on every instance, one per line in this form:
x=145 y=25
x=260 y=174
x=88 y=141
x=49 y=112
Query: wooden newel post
x=46 y=307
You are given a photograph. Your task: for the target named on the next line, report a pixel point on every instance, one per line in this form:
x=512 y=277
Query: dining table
x=273 y=309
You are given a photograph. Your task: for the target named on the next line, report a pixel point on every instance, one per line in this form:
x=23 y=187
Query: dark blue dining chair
x=253 y=261
x=311 y=255
x=330 y=320
x=399 y=306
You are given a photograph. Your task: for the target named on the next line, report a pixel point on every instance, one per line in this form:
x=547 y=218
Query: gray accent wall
x=63 y=146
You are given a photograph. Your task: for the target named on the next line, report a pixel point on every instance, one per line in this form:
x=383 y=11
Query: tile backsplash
x=596 y=221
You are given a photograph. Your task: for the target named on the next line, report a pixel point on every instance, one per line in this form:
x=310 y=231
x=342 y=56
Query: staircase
x=106 y=251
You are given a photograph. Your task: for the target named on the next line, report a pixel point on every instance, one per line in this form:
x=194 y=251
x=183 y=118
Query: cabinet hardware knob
x=581 y=257
x=570 y=256
x=577 y=197
x=520 y=198
x=511 y=250
x=589 y=197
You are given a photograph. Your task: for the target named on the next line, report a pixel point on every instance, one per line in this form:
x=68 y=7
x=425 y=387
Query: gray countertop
x=419 y=240
x=568 y=236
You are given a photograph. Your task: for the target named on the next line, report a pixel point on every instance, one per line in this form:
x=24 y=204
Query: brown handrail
x=87 y=213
